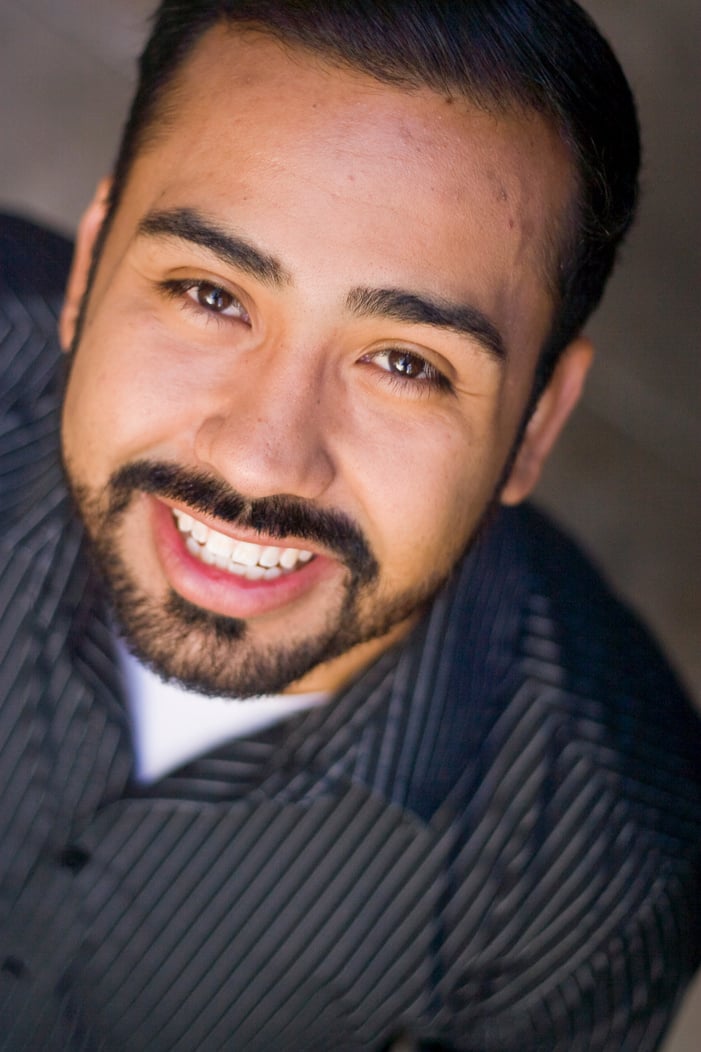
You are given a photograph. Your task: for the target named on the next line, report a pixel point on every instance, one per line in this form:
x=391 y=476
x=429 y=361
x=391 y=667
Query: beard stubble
x=216 y=655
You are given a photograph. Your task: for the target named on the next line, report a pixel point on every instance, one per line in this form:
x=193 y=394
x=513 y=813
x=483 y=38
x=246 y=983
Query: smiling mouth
x=254 y=562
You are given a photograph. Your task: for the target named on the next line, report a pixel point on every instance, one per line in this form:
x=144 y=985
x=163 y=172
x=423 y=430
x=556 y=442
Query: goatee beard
x=205 y=651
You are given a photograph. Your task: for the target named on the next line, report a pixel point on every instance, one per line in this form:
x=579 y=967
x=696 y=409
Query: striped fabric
x=489 y=842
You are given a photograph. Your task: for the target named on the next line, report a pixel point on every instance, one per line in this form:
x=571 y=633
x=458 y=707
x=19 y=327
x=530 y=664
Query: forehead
x=249 y=123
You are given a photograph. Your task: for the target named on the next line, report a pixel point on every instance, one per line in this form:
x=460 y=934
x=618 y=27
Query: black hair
x=542 y=55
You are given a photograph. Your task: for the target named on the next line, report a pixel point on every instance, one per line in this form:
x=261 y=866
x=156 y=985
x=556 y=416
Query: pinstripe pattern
x=489 y=840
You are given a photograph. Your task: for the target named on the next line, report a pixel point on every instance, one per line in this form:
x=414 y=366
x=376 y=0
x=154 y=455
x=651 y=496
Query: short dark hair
x=544 y=55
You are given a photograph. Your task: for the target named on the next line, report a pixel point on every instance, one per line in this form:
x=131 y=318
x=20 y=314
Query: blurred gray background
x=626 y=477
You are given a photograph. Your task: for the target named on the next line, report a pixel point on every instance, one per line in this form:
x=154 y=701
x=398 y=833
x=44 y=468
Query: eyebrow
x=188 y=225
x=417 y=309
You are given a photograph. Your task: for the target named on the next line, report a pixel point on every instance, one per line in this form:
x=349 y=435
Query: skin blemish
x=501 y=194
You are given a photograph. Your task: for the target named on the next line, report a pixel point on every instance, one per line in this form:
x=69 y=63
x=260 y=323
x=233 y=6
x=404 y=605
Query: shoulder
x=598 y=643
x=583 y=686
x=33 y=257
x=580 y=802
x=34 y=265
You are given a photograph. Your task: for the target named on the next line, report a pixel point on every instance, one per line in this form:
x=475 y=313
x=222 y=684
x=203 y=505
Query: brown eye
x=213 y=298
x=216 y=300
x=205 y=299
x=407 y=370
x=405 y=364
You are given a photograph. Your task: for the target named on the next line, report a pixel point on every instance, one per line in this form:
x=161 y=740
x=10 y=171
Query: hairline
x=163 y=109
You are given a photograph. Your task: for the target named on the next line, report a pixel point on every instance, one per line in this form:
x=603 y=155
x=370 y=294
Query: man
x=323 y=328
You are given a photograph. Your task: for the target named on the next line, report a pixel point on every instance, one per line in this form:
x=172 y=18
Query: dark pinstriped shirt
x=488 y=842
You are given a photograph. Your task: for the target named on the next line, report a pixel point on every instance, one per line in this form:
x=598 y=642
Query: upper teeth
x=254 y=561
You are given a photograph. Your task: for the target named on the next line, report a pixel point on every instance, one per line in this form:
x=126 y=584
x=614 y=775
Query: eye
x=206 y=296
x=215 y=299
x=408 y=368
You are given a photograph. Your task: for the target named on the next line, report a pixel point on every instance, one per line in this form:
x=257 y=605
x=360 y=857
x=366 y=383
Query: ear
x=89 y=228
x=554 y=407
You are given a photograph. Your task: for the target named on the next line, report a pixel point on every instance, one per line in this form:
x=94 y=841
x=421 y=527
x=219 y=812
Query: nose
x=267 y=434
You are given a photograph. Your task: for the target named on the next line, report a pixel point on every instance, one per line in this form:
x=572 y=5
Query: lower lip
x=221 y=592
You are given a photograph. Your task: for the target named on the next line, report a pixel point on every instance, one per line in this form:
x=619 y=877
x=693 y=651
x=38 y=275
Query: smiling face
x=306 y=354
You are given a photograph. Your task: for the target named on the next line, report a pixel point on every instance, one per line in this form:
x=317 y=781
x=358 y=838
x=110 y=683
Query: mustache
x=278 y=516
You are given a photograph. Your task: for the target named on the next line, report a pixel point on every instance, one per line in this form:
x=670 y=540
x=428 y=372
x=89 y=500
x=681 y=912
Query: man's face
x=314 y=328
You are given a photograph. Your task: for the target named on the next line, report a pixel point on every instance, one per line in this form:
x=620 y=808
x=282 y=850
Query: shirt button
x=14 y=967
x=74 y=857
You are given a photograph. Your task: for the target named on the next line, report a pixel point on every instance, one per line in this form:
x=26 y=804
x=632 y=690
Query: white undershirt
x=171 y=726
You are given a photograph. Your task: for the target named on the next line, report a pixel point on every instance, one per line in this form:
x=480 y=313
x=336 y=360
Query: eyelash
x=433 y=380
x=178 y=289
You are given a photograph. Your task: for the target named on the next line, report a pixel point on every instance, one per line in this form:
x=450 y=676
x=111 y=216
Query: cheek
x=128 y=393
x=423 y=492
